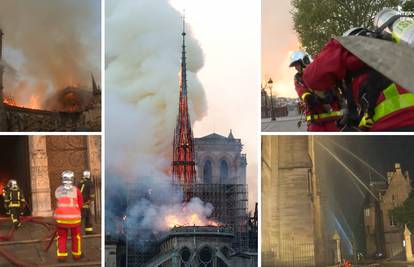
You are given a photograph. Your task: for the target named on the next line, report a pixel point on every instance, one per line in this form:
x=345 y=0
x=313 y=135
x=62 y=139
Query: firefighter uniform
x=68 y=217
x=391 y=107
x=86 y=189
x=15 y=203
x=320 y=117
x=5 y=194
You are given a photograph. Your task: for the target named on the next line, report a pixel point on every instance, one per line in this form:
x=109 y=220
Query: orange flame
x=172 y=220
x=32 y=104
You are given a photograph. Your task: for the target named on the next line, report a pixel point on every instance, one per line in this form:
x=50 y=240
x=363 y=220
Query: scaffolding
x=230 y=208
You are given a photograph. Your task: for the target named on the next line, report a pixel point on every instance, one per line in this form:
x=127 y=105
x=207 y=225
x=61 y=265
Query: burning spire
x=183 y=155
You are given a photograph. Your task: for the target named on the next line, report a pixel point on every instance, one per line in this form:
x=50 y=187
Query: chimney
x=398 y=168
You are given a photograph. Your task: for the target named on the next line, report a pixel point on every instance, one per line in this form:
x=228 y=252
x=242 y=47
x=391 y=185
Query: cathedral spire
x=183 y=165
x=183 y=63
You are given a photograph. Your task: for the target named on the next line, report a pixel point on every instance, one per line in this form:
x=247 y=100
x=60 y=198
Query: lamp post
x=270 y=84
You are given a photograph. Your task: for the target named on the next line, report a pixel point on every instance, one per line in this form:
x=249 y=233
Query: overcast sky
x=228 y=32
x=278 y=40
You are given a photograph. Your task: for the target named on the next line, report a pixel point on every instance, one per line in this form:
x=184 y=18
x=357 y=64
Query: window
x=224 y=172
x=207 y=172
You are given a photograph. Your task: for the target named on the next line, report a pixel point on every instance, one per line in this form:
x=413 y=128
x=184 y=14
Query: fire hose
x=51 y=228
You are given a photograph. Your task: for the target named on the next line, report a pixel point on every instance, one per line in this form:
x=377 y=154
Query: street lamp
x=270 y=83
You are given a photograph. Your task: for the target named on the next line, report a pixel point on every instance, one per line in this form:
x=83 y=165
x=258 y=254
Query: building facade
x=291 y=215
x=382 y=233
x=36 y=162
x=219 y=160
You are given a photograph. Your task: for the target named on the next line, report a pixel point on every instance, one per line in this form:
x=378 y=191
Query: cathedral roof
x=213 y=136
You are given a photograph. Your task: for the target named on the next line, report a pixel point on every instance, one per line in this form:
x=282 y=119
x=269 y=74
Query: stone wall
x=23 y=119
x=216 y=148
x=398 y=191
x=288 y=234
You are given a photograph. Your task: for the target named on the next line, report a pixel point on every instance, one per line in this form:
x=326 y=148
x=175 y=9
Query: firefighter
x=15 y=202
x=374 y=103
x=5 y=194
x=87 y=191
x=321 y=110
x=68 y=217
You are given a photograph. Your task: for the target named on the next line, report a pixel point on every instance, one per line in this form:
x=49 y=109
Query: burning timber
x=70 y=109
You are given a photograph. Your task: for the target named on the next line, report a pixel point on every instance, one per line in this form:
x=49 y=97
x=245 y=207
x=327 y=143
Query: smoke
x=49 y=45
x=143 y=50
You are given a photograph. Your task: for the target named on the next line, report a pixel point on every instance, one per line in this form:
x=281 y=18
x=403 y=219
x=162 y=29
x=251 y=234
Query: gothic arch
x=208 y=172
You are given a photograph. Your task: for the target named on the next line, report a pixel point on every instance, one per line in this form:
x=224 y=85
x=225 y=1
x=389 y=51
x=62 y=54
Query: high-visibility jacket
x=68 y=206
x=395 y=105
x=14 y=198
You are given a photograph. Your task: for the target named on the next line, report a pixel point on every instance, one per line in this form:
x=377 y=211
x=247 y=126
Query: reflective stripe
x=68 y=221
x=90 y=229
x=14 y=205
x=394 y=101
x=82 y=187
x=79 y=246
x=304 y=95
x=324 y=115
x=67 y=216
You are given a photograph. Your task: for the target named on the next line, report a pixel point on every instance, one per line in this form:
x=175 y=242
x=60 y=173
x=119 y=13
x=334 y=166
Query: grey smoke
x=142 y=89
x=49 y=45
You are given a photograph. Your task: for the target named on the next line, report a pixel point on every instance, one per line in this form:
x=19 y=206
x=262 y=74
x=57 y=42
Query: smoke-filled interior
x=49 y=46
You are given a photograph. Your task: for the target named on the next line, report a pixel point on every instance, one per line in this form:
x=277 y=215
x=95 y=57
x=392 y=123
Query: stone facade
x=27 y=120
x=382 y=233
x=219 y=160
x=50 y=155
x=291 y=232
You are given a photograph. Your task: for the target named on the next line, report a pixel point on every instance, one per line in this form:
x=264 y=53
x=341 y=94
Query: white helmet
x=356 y=31
x=67 y=179
x=13 y=184
x=86 y=174
x=301 y=56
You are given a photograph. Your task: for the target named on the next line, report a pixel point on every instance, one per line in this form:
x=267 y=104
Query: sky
x=278 y=40
x=230 y=73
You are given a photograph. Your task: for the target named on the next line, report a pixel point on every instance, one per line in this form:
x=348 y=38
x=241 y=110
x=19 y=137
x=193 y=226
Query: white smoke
x=143 y=51
x=49 y=45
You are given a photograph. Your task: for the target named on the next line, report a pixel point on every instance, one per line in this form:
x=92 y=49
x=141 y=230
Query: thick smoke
x=49 y=45
x=143 y=51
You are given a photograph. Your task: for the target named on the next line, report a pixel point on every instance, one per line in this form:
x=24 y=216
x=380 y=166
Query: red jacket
x=301 y=90
x=331 y=66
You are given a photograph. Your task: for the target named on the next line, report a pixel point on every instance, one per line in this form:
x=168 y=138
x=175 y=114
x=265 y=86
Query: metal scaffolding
x=230 y=208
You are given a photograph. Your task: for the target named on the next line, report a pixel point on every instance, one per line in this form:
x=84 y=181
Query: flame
x=33 y=103
x=2 y=184
x=173 y=220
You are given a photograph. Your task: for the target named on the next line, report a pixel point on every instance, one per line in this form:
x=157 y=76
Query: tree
x=317 y=21
x=404 y=214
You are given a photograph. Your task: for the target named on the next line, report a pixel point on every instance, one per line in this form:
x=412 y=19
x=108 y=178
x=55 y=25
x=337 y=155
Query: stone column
x=39 y=173
x=94 y=165
x=408 y=246
x=337 y=239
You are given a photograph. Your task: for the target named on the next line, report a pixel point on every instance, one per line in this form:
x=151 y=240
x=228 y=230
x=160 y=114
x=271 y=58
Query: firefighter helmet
x=67 y=179
x=356 y=31
x=86 y=174
x=13 y=184
x=300 y=56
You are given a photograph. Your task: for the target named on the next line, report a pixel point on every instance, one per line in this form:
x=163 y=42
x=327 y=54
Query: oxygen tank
x=402 y=29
